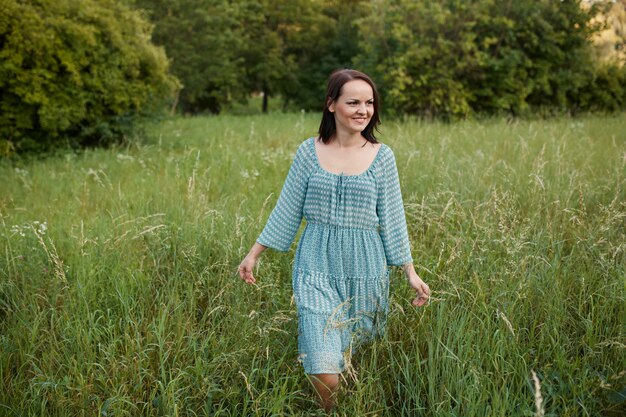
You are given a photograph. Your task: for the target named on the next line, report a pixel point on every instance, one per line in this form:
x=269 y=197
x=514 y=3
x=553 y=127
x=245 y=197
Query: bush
x=75 y=73
x=455 y=58
x=605 y=91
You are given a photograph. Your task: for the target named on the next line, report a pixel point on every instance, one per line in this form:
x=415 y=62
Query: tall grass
x=119 y=294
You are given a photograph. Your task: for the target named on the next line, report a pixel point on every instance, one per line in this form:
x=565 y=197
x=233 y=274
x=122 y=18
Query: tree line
x=435 y=58
x=81 y=72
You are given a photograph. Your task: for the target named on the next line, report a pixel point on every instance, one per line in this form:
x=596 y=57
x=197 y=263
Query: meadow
x=119 y=294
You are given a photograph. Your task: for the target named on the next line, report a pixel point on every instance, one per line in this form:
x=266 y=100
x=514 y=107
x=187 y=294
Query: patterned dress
x=355 y=229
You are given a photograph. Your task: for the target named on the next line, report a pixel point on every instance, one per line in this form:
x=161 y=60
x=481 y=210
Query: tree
x=75 y=72
x=328 y=41
x=203 y=41
x=448 y=58
x=455 y=57
x=266 y=27
x=226 y=50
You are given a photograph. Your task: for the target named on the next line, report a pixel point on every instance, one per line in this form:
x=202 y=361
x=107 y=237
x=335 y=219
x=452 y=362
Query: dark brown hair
x=335 y=84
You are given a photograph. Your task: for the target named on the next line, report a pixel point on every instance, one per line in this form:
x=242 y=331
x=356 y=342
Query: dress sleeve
x=285 y=219
x=390 y=211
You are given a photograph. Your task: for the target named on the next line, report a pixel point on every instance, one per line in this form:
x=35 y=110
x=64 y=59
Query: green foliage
x=295 y=45
x=202 y=39
x=224 y=51
x=75 y=73
x=604 y=91
x=456 y=57
x=445 y=59
x=268 y=27
x=328 y=41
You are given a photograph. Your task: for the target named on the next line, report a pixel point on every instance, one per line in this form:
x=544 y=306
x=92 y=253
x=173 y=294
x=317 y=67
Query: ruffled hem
x=322 y=340
x=322 y=363
x=329 y=329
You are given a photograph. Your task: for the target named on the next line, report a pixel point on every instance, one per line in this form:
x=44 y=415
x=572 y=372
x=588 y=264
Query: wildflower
x=123 y=157
x=42 y=227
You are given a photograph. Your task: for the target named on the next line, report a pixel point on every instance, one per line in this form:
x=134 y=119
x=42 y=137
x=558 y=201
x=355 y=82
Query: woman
x=345 y=184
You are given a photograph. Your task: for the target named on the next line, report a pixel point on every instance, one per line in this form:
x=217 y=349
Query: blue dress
x=355 y=229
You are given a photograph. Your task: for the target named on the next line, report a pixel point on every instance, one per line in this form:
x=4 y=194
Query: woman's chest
x=325 y=188
x=348 y=162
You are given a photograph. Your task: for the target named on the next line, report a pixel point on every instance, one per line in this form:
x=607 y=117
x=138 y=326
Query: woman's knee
x=328 y=381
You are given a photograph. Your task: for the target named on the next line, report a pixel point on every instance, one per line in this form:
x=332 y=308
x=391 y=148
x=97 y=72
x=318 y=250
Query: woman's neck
x=348 y=139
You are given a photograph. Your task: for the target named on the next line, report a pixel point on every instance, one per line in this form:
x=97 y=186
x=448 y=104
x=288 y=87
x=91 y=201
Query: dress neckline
x=321 y=168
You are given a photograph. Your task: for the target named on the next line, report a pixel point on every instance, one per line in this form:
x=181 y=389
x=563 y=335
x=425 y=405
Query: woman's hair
x=335 y=84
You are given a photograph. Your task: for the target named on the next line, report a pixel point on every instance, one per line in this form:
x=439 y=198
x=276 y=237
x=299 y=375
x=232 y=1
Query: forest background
x=81 y=73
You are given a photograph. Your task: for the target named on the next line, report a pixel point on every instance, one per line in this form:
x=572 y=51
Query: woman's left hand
x=421 y=289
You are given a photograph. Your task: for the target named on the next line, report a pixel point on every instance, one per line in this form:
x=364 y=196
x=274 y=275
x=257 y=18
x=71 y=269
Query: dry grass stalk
x=540 y=412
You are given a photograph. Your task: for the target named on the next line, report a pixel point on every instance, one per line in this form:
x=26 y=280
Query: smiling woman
x=348 y=89
x=355 y=107
x=345 y=184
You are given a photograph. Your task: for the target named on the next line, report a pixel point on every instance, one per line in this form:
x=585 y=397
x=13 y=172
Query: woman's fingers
x=245 y=274
x=423 y=294
x=419 y=301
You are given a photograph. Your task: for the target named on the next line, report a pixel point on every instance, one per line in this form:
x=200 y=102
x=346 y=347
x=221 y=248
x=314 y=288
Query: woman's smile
x=354 y=108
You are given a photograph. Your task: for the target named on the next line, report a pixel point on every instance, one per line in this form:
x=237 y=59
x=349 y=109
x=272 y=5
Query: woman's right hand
x=245 y=269
x=247 y=265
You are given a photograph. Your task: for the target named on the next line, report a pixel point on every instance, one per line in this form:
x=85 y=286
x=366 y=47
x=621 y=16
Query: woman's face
x=354 y=107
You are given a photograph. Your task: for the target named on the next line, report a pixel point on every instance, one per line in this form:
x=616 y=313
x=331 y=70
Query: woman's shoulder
x=306 y=143
x=305 y=154
x=385 y=154
x=385 y=162
x=306 y=147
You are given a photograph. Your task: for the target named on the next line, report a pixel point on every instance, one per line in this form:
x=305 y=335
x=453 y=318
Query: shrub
x=455 y=58
x=75 y=73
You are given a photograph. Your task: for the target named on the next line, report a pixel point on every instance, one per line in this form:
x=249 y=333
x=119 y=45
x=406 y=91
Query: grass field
x=119 y=294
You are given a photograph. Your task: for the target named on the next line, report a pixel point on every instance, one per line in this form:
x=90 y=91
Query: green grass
x=128 y=302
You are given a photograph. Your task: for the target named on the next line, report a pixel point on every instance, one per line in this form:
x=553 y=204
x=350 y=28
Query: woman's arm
x=284 y=221
x=247 y=265
x=390 y=211
x=393 y=229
